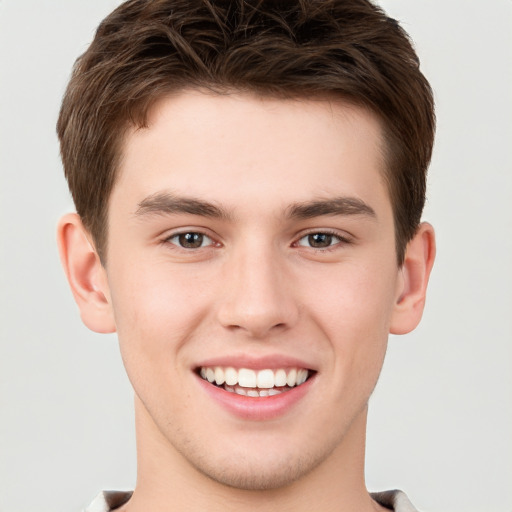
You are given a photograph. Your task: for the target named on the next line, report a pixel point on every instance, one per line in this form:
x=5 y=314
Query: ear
x=86 y=275
x=415 y=272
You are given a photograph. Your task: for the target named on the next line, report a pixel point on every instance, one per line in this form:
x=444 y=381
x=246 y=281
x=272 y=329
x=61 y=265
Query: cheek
x=156 y=315
x=156 y=311
x=355 y=298
x=354 y=311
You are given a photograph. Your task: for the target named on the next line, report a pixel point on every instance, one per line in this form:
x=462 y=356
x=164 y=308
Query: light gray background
x=441 y=418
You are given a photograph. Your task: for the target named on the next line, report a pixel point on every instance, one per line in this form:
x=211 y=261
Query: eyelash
x=341 y=240
x=169 y=240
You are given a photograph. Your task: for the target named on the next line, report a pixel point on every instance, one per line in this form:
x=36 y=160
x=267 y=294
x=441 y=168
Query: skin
x=256 y=287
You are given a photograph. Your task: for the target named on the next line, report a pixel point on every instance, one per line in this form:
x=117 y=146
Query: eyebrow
x=333 y=206
x=163 y=203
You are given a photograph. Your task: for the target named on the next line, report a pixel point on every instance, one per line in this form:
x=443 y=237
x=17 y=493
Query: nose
x=258 y=296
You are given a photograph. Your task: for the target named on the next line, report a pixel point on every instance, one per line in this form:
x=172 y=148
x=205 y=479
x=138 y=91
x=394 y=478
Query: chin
x=256 y=478
x=259 y=473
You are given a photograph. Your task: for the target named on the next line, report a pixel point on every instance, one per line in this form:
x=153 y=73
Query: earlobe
x=418 y=262
x=86 y=275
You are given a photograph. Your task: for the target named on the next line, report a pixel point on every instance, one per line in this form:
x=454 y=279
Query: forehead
x=239 y=149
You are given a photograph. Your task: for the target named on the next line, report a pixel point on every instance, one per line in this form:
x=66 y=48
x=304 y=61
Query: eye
x=190 y=240
x=320 y=240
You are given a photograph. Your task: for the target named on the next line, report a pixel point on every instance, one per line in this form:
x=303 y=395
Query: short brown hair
x=146 y=49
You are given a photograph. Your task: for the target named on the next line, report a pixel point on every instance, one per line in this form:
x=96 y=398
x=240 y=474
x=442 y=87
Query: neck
x=166 y=481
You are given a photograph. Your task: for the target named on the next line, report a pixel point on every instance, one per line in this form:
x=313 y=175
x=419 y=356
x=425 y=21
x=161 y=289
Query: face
x=252 y=274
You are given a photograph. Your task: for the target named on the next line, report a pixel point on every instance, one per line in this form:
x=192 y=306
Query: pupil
x=191 y=240
x=320 y=240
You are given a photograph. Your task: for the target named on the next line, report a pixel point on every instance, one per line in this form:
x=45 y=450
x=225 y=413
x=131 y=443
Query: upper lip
x=271 y=361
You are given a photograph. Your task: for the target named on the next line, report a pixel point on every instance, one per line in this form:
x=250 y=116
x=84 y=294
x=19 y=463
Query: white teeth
x=280 y=378
x=219 y=376
x=302 y=375
x=254 y=381
x=247 y=378
x=265 y=379
x=253 y=392
x=291 y=378
x=210 y=375
x=231 y=376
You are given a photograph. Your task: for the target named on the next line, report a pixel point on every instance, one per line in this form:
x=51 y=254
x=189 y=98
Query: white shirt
x=108 y=501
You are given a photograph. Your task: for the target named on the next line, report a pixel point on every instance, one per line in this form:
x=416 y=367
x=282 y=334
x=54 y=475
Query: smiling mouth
x=255 y=383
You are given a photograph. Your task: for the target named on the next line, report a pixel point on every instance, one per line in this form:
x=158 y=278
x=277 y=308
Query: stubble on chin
x=255 y=472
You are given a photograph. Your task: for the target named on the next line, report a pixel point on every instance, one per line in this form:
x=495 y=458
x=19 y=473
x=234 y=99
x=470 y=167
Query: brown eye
x=190 y=240
x=319 y=240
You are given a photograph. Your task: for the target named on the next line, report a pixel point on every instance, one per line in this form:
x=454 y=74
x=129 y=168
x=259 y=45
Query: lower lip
x=256 y=408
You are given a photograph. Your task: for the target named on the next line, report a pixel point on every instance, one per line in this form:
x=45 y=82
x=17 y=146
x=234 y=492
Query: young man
x=249 y=179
